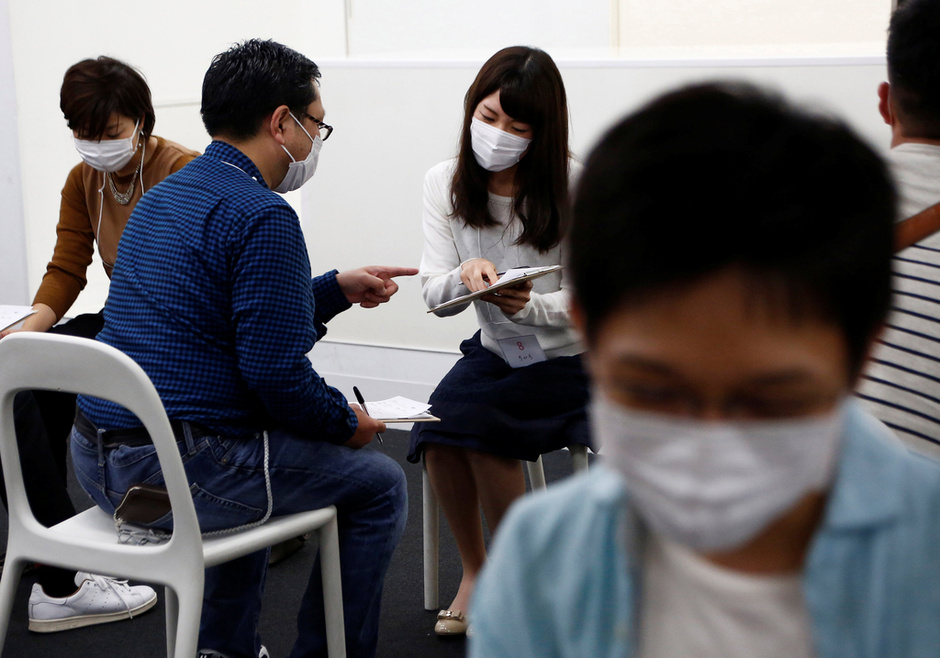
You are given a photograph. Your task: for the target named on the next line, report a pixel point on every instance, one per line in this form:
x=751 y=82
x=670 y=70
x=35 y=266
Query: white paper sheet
x=397 y=407
x=10 y=315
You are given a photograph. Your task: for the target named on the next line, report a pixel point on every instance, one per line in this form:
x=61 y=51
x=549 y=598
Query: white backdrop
x=13 y=246
x=393 y=119
x=394 y=122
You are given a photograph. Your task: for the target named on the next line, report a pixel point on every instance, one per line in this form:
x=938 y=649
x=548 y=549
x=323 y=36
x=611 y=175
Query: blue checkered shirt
x=212 y=295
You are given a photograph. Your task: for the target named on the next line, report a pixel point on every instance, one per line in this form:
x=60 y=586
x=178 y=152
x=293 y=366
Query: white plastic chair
x=431 y=513
x=88 y=541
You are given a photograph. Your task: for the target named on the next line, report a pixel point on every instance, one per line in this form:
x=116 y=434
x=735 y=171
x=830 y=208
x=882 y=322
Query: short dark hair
x=531 y=91
x=249 y=81
x=914 y=66
x=718 y=176
x=94 y=89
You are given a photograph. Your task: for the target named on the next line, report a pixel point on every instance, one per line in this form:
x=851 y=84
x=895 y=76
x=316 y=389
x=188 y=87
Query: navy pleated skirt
x=518 y=413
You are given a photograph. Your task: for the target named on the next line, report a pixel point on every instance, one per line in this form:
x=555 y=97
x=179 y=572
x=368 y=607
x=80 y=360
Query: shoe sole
x=68 y=623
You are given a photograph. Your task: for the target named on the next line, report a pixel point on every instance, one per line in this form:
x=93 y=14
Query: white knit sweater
x=448 y=242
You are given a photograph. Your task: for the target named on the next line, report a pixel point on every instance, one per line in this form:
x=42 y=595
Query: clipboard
x=423 y=418
x=509 y=279
x=401 y=410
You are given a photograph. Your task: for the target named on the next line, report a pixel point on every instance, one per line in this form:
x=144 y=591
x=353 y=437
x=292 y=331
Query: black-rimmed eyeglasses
x=325 y=129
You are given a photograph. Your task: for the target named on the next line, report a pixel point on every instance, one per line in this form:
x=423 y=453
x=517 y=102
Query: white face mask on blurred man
x=714 y=485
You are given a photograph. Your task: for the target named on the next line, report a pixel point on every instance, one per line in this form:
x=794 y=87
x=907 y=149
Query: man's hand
x=372 y=285
x=41 y=320
x=478 y=274
x=368 y=428
x=510 y=300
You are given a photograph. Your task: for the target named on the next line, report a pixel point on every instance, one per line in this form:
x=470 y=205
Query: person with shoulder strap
x=902 y=382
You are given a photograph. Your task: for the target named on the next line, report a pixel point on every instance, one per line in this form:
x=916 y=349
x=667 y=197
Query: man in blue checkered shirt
x=212 y=295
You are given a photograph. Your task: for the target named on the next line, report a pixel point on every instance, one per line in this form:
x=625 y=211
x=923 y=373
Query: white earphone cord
x=101 y=197
x=134 y=534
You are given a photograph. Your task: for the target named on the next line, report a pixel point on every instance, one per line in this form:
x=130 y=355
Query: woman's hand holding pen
x=480 y=274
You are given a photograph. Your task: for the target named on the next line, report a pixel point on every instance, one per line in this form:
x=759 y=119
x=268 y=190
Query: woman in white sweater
x=520 y=389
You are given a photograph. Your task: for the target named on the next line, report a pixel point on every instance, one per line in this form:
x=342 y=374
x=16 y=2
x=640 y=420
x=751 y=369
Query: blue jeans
x=228 y=487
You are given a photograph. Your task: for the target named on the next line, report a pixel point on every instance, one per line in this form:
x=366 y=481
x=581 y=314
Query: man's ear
x=276 y=123
x=884 y=103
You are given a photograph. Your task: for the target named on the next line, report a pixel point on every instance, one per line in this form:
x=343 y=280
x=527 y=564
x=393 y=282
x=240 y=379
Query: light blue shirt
x=564 y=574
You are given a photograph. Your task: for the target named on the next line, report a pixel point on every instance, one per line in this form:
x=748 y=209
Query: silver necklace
x=124 y=198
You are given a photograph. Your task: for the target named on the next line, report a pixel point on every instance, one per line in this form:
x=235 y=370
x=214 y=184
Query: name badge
x=522 y=351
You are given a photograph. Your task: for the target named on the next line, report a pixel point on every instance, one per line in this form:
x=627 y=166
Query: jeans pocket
x=217 y=512
x=124 y=456
x=243 y=454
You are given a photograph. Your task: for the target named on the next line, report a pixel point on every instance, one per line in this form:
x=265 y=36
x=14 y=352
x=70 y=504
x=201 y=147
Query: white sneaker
x=99 y=600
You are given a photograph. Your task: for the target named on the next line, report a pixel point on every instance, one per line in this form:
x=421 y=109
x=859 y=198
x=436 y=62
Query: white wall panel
x=748 y=27
x=394 y=119
x=13 y=274
x=448 y=28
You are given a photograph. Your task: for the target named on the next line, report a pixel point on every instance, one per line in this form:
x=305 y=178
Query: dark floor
x=406 y=628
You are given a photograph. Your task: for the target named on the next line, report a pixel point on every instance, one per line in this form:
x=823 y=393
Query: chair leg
x=186 y=604
x=12 y=571
x=332 y=589
x=536 y=474
x=171 y=603
x=432 y=521
x=579 y=457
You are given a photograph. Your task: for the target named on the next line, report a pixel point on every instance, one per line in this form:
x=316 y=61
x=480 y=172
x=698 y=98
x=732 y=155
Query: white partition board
x=395 y=120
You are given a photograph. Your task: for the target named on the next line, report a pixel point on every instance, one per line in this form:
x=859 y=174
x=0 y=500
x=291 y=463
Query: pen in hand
x=362 y=403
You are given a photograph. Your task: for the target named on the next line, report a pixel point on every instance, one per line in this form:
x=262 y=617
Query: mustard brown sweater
x=79 y=228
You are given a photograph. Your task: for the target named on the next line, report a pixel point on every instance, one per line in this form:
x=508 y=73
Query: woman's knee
x=442 y=456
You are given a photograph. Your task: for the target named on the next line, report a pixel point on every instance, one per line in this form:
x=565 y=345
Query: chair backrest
x=30 y=361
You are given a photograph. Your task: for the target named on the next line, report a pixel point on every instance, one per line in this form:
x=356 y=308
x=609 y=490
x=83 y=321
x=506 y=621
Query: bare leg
x=500 y=481
x=453 y=482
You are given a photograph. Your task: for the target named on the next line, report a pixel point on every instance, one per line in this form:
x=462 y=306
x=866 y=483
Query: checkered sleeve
x=330 y=300
x=274 y=314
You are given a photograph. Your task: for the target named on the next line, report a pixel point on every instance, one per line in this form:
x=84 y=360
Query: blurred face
x=119 y=127
x=709 y=351
x=489 y=111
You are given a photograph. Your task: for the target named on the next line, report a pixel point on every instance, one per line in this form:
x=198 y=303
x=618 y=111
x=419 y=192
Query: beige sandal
x=451 y=622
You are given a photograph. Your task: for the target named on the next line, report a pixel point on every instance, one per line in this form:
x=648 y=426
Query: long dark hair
x=530 y=91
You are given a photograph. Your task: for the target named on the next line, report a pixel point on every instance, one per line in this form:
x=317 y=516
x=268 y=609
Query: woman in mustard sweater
x=107 y=105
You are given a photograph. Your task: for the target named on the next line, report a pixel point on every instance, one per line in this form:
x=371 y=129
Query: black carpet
x=406 y=628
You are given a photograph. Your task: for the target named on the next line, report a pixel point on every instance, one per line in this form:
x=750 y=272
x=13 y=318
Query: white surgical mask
x=300 y=171
x=108 y=155
x=715 y=485
x=495 y=149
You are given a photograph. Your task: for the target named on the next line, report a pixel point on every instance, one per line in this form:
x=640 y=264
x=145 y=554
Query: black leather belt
x=132 y=436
